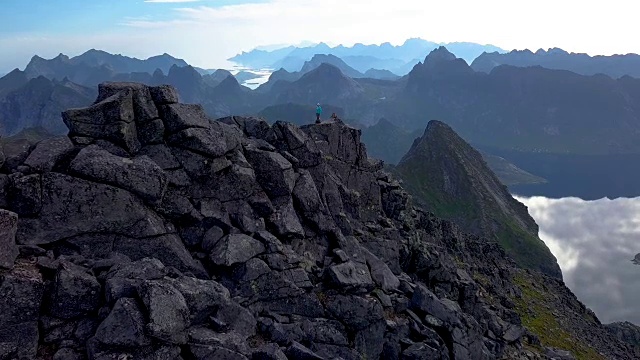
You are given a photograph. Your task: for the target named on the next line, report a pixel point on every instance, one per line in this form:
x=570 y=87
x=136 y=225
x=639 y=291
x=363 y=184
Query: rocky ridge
x=153 y=232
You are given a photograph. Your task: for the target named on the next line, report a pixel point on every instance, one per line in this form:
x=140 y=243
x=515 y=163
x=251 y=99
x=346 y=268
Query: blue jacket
x=318 y=110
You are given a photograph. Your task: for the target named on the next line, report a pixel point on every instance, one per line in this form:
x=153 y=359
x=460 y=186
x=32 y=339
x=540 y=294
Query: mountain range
x=615 y=66
x=397 y=59
x=546 y=125
x=154 y=232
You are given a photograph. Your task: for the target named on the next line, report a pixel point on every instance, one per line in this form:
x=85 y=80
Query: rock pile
x=153 y=232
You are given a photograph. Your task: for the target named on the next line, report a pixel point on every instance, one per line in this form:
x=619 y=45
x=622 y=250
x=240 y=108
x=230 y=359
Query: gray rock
x=75 y=292
x=268 y=352
x=355 y=312
x=138 y=175
x=380 y=272
x=426 y=301
x=351 y=275
x=235 y=248
x=167 y=248
x=558 y=354
x=203 y=297
x=68 y=354
x=179 y=117
x=211 y=238
x=420 y=351
x=48 y=153
x=15 y=153
x=151 y=132
x=21 y=293
x=168 y=311
x=164 y=95
x=161 y=155
x=71 y=206
x=125 y=326
x=122 y=280
x=111 y=119
x=143 y=106
x=213 y=141
x=274 y=173
x=213 y=352
x=299 y=352
x=25 y=196
x=8 y=248
x=284 y=220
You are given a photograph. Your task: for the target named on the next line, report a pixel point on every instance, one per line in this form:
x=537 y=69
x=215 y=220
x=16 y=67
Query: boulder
x=167 y=309
x=111 y=119
x=8 y=248
x=164 y=95
x=48 y=153
x=178 y=117
x=75 y=292
x=351 y=275
x=124 y=327
x=139 y=175
x=15 y=153
x=144 y=108
x=21 y=293
x=274 y=173
x=25 y=195
x=72 y=206
x=235 y=248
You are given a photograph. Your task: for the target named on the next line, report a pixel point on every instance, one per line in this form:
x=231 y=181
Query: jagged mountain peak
x=451 y=179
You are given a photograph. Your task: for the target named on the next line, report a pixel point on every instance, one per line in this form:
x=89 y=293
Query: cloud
x=594 y=242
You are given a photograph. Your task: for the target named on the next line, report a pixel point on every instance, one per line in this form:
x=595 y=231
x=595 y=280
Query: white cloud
x=594 y=242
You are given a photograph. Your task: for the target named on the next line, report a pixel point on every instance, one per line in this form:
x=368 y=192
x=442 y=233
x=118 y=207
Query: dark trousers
x=317 y=117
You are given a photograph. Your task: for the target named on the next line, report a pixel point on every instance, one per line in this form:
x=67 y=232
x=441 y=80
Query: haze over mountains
x=397 y=59
x=545 y=122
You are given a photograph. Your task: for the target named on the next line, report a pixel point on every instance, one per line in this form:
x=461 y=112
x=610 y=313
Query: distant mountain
x=325 y=84
x=77 y=68
x=380 y=74
x=12 y=81
x=527 y=109
x=398 y=59
x=39 y=103
x=320 y=59
x=450 y=178
x=615 y=66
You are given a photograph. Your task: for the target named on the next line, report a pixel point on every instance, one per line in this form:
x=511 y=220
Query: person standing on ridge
x=318 y=113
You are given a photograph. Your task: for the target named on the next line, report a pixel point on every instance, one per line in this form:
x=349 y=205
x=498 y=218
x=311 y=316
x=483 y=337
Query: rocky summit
x=154 y=232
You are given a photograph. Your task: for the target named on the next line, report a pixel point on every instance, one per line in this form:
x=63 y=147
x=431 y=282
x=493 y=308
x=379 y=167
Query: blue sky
x=206 y=32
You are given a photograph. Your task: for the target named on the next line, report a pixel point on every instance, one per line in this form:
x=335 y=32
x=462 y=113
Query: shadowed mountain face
x=450 y=178
x=152 y=231
x=615 y=66
x=39 y=103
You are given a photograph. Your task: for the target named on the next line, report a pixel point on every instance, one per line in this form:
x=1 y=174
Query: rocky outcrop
x=162 y=234
x=449 y=177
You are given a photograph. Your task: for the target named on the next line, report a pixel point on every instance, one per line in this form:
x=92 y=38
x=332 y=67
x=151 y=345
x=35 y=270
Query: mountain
x=12 y=81
x=155 y=232
x=388 y=142
x=529 y=109
x=96 y=66
x=38 y=103
x=398 y=59
x=380 y=74
x=326 y=84
x=451 y=179
x=508 y=173
x=615 y=66
x=320 y=59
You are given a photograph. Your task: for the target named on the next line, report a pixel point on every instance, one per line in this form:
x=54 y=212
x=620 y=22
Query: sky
x=206 y=32
x=594 y=242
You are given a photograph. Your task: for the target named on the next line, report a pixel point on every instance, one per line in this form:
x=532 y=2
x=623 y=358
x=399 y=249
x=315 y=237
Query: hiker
x=318 y=113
